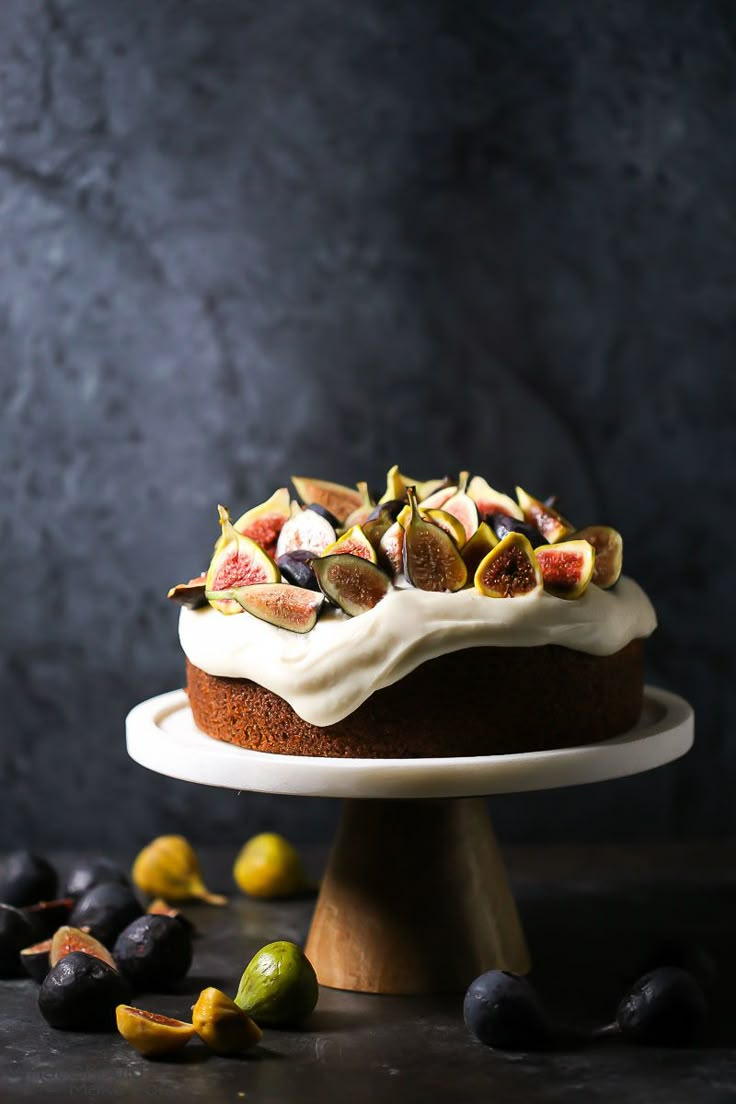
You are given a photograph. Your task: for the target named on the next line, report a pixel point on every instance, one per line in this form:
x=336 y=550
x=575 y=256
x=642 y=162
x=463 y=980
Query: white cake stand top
x=162 y=736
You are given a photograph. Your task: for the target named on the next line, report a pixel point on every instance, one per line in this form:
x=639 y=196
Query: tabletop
x=595 y=918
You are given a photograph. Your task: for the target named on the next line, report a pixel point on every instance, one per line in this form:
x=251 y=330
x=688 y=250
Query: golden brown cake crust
x=480 y=701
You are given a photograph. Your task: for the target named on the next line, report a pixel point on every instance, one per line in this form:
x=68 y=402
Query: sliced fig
x=479 y=545
x=446 y=521
x=189 y=594
x=35 y=960
x=354 y=543
x=363 y=512
x=296 y=568
x=391 y=548
x=264 y=523
x=430 y=486
x=395 y=486
x=567 y=567
x=461 y=506
x=509 y=570
x=352 y=583
x=307 y=531
x=609 y=553
x=238 y=561
x=280 y=604
x=66 y=940
x=490 y=501
x=431 y=557
x=553 y=526
x=437 y=499
x=338 y=499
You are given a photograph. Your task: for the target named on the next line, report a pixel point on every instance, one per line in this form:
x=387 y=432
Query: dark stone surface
x=592 y=917
x=241 y=240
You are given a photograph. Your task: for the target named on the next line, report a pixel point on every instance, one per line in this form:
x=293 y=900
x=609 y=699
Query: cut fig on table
x=479 y=545
x=509 y=570
x=280 y=604
x=264 y=523
x=354 y=542
x=461 y=506
x=189 y=594
x=567 y=567
x=490 y=501
x=431 y=557
x=553 y=526
x=352 y=583
x=306 y=531
x=609 y=551
x=335 y=497
x=238 y=561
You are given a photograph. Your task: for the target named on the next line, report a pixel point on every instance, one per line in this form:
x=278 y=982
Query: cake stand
x=415 y=898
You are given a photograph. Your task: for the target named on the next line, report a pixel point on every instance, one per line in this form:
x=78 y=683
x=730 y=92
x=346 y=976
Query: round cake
x=445 y=619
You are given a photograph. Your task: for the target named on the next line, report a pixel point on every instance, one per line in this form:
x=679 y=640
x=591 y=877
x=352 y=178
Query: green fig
x=278 y=987
x=354 y=584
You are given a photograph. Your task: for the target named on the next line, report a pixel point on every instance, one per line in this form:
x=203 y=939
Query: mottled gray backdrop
x=240 y=239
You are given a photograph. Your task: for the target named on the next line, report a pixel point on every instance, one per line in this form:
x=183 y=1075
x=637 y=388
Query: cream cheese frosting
x=326 y=674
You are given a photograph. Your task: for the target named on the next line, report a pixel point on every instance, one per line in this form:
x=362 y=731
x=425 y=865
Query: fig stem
x=411 y=493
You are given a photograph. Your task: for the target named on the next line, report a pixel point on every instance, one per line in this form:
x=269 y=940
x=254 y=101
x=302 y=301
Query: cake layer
x=327 y=674
x=476 y=701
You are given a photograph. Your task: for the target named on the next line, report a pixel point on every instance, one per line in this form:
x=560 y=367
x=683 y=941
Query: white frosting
x=327 y=673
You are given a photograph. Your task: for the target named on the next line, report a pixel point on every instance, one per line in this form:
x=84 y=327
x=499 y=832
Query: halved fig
x=509 y=570
x=150 y=1033
x=430 y=486
x=437 y=499
x=379 y=522
x=238 y=561
x=395 y=486
x=553 y=526
x=352 y=583
x=479 y=545
x=264 y=523
x=338 y=499
x=361 y=513
x=307 y=531
x=490 y=501
x=354 y=543
x=280 y=604
x=609 y=553
x=567 y=567
x=189 y=594
x=431 y=557
x=35 y=960
x=391 y=548
x=68 y=939
x=461 y=506
x=450 y=524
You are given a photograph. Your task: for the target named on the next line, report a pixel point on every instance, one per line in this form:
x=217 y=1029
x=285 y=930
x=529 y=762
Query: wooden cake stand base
x=415 y=898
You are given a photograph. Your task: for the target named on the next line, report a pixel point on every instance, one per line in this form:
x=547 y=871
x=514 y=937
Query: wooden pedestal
x=415 y=900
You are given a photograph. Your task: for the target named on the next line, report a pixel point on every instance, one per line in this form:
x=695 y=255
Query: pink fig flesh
x=280 y=604
x=264 y=523
x=566 y=568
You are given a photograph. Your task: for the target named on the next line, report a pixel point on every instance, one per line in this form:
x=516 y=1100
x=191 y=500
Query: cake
x=444 y=619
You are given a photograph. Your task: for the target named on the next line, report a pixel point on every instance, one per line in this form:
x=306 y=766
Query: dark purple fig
x=15 y=934
x=80 y=993
x=91 y=872
x=154 y=951
x=392 y=507
x=105 y=909
x=509 y=570
x=664 y=1008
x=296 y=568
x=46 y=916
x=503 y=524
x=26 y=879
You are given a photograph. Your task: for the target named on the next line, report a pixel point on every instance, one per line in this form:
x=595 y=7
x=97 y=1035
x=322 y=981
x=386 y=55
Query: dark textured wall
x=242 y=239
